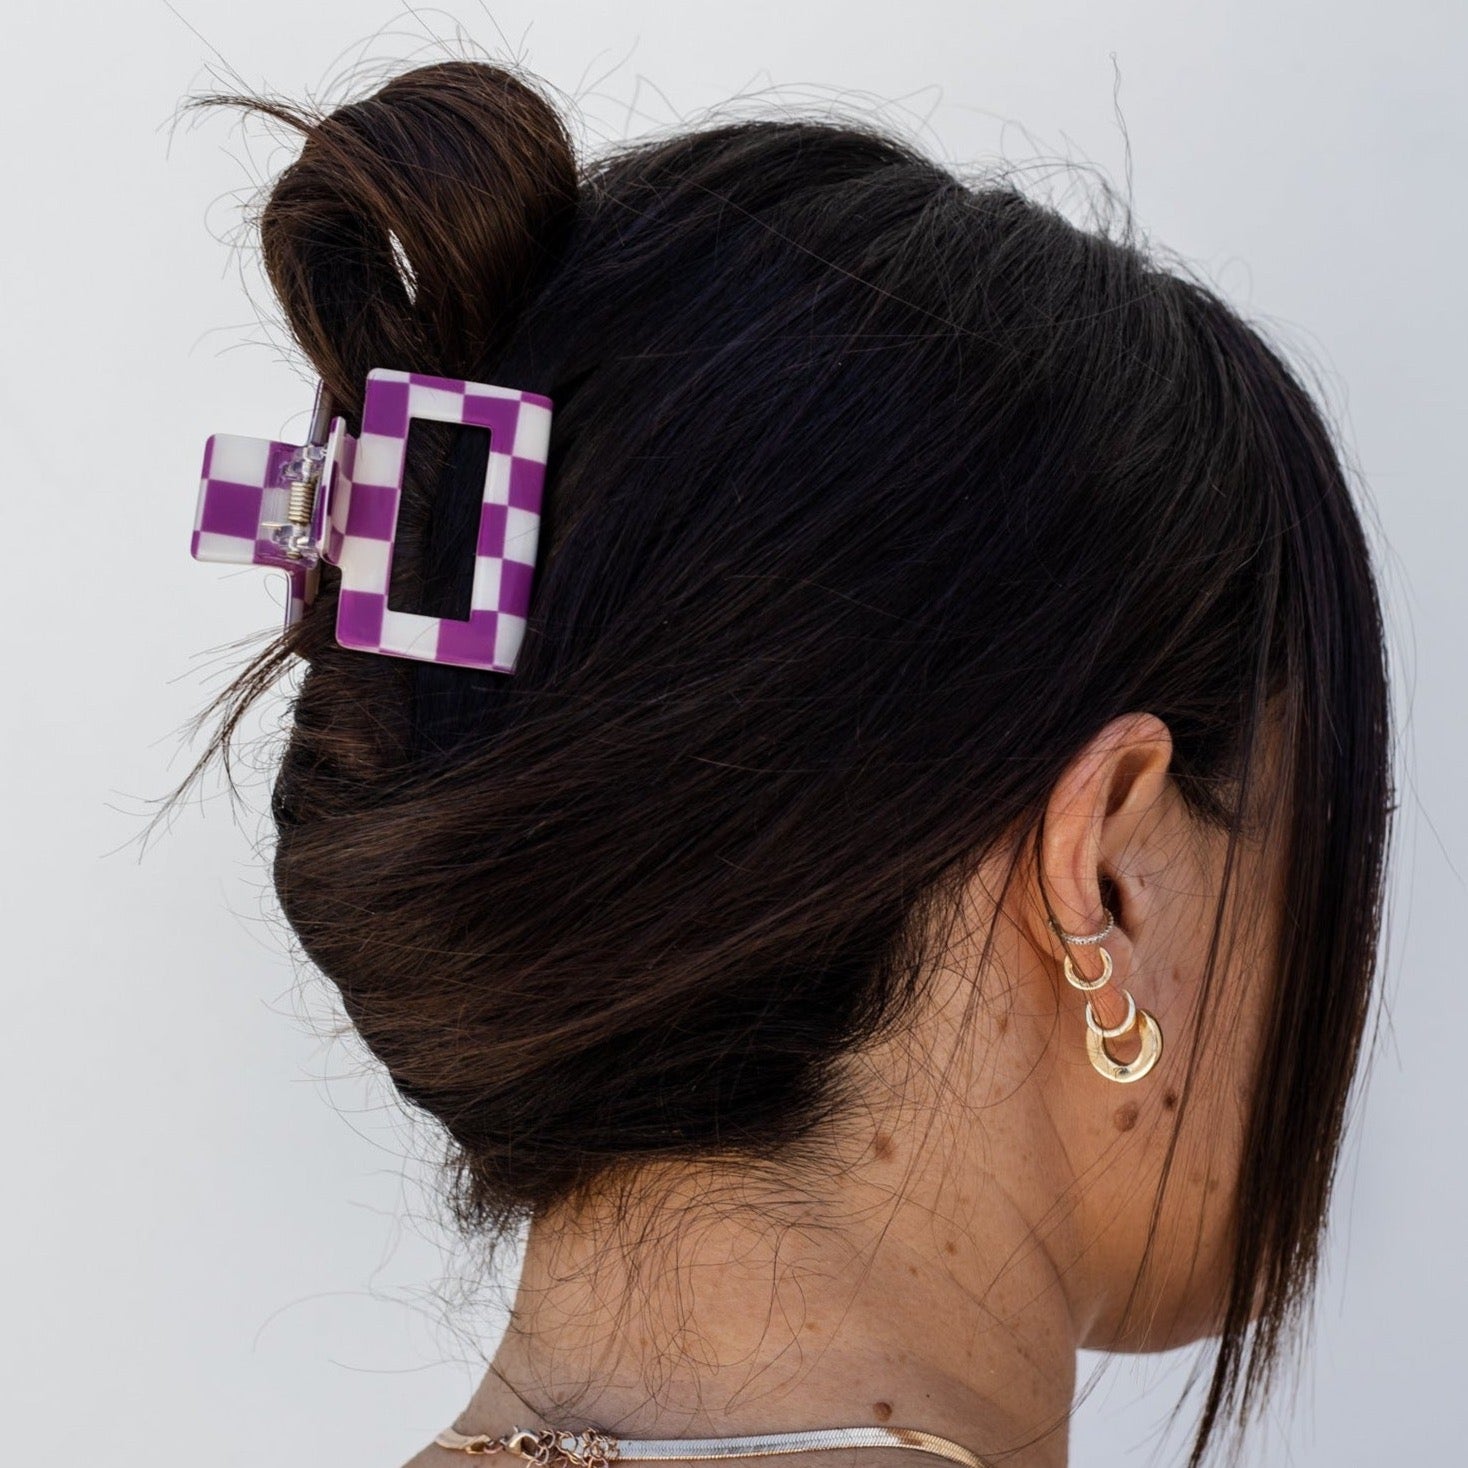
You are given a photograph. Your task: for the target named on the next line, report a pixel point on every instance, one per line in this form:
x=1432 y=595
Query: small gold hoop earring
x=1085 y=985
x=1072 y=975
x=1097 y=1028
x=1150 y=1034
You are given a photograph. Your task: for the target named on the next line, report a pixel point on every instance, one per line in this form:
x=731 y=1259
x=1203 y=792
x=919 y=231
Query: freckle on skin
x=1125 y=1117
x=882 y=1147
x=1170 y=1100
x=950 y=1247
x=882 y=1411
x=912 y=1268
x=1002 y=1023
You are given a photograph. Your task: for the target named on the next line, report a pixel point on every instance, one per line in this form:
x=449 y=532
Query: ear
x=1093 y=848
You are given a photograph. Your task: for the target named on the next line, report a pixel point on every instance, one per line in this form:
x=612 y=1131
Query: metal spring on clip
x=305 y=469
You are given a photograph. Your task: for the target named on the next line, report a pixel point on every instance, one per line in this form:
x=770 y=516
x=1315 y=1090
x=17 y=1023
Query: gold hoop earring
x=1088 y=985
x=1097 y=1028
x=1074 y=978
x=1149 y=1032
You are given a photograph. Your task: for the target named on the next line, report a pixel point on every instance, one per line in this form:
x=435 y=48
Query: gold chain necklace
x=595 y=1449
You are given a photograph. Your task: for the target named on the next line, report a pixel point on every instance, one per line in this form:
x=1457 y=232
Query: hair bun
x=411 y=227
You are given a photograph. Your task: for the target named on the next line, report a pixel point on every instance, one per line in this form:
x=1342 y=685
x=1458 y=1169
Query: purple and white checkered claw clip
x=336 y=497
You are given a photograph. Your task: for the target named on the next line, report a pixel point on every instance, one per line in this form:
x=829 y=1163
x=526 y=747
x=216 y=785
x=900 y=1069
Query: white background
x=218 y=1244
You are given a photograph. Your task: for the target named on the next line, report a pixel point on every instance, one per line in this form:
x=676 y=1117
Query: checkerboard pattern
x=242 y=487
x=364 y=511
x=354 y=520
x=329 y=514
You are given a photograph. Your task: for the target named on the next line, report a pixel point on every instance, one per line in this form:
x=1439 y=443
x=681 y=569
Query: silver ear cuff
x=1085 y=937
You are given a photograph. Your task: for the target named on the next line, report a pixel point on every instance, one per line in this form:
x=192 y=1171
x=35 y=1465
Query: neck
x=878 y=1298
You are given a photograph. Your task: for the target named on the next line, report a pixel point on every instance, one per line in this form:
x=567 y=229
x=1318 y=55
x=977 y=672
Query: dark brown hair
x=873 y=494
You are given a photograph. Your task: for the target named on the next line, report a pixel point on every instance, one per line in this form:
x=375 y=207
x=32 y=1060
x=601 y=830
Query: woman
x=910 y=913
